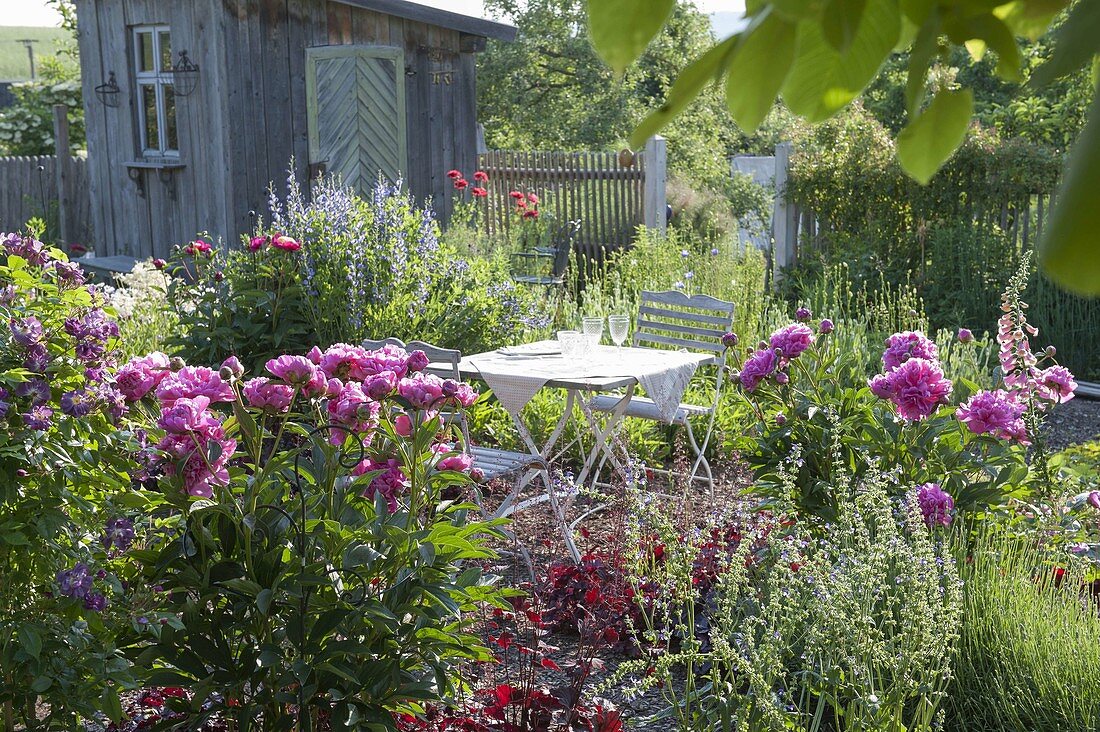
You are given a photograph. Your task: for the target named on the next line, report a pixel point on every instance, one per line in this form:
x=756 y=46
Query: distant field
x=14 y=65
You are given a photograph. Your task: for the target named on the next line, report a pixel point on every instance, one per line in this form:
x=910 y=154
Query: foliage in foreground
x=820 y=59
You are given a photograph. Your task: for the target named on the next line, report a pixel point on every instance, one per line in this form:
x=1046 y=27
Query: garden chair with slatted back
x=493 y=462
x=528 y=265
x=692 y=322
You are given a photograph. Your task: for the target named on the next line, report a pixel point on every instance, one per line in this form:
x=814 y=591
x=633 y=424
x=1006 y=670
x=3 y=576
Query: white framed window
x=157 y=132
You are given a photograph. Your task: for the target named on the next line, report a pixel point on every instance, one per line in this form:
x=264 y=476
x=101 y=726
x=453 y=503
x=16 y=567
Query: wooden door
x=355 y=97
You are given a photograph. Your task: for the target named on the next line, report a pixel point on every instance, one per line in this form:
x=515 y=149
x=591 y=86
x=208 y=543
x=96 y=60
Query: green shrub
x=26 y=127
x=1029 y=646
x=852 y=631
x=64 y=475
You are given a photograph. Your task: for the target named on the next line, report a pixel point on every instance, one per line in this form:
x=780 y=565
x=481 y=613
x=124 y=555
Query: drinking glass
x=567 y=339
x=619 y=326
x=593 y=331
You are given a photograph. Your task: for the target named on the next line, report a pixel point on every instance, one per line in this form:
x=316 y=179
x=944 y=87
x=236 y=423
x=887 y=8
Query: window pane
x=146 y=56
x=170 y=136
x=165 y=51
x=151 y=140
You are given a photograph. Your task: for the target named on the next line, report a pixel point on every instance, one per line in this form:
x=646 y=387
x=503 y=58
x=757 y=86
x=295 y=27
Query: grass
x=14 y=64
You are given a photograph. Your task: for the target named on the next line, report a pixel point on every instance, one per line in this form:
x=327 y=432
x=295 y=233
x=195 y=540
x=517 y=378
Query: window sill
x=153 y=164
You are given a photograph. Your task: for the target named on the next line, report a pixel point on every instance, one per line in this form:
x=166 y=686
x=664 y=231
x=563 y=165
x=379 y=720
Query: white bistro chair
x=677 y=320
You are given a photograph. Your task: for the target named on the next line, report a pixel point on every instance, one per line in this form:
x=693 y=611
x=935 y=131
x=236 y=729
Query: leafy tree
x=26 y=127
x=820 y=55
x=549 y=89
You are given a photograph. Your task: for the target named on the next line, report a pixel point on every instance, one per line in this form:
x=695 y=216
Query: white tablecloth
x=516 y=374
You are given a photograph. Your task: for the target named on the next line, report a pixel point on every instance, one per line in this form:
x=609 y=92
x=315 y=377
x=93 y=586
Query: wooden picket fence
x=608 y=199
x=48 y=187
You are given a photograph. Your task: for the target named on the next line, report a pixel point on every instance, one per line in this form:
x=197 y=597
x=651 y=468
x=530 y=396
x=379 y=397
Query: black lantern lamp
x=185 y=76
x=107 y=92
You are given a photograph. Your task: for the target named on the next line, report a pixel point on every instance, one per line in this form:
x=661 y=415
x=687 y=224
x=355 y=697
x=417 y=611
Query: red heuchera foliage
x=506 y=708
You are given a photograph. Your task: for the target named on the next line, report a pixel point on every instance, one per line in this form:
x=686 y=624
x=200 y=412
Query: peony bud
x=965 y=336
x=477 y=474
x=735 y=376
x=730 y=340
x=176 y=363
x=781 y=419
x=781 y=377
x=1094 y=499
x=233 y=364
x=826 y=327
x=803 y=314
x=159 y=263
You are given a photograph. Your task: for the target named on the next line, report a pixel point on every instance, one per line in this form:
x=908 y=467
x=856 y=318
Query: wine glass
x=619 y=326
x=593 y=331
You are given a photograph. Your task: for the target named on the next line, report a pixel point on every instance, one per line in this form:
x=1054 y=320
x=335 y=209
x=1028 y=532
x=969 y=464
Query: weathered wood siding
x=247 y=118
x=176 y=204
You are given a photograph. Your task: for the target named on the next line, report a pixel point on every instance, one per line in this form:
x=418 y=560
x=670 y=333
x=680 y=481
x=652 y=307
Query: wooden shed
x=193 y=107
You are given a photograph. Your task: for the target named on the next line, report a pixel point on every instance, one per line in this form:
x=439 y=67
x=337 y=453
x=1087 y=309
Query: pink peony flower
x=791 y=340
x=1094 y=499
x=998 y=413
x=417 y=361
x=918 y=387
x=297 y=370
x=900 y=347
x=381 y=385
x=757 y=367
x=233 y=366
x=1055 y=384
x=261 y=393
x=390 y=483
x=256 y=243
x=139 y=376
x=457 y=461
x=935 y=504
x=881 y=386
x=421 y=390
x=193 y=381
x=353 y=410
x=403 y=425
x=184 y=415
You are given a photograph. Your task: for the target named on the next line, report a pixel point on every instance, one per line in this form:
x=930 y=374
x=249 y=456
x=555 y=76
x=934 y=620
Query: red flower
x=461 y=183
x=256 y=243
x=481 y=176
x=517 y=195
x=284 y=242
x=454 y=174
x=530 y=214
x=533 y=198
x=479 y=192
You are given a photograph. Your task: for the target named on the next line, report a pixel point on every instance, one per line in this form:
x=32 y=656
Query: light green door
x=355 y=97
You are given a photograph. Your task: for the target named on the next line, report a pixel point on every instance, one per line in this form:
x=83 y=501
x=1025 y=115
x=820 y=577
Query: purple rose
x=26 y=331
x=75 y=582
x=38 y=358
x=37 y=390
x=78 y=403
x=95 y=602
x=38 y=418
x=118 y=533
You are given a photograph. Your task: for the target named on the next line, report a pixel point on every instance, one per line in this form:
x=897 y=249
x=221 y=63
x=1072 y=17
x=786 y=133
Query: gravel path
x=1074 y=422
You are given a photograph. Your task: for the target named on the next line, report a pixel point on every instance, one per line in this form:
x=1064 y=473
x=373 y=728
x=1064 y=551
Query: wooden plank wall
x=179 y=204
x=266 y=71
x=589 y=187
x=28 y=189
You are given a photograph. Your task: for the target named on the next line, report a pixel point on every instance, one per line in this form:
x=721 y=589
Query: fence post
x=784 y=216
x=64 y=160
x=656 y=174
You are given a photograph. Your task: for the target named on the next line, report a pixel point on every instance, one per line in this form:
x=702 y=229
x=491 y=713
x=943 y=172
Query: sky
x=35 y=12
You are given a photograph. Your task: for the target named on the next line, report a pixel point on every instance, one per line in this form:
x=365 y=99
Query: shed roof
x=443 y=18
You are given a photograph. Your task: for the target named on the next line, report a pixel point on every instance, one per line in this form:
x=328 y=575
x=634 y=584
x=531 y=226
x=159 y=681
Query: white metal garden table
x=517 y=373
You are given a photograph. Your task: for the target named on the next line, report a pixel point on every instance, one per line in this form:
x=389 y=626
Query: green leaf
x=822 y=81
x=1069 y=250
x=31 y=640
x=840 y=22
x=1076 y=41
x=757 y=69
x=691 y=81
x=979 y=31
x=110 y=704
x=920 y=59
x=41 y=683
x=621 y=29
x=930 y=139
